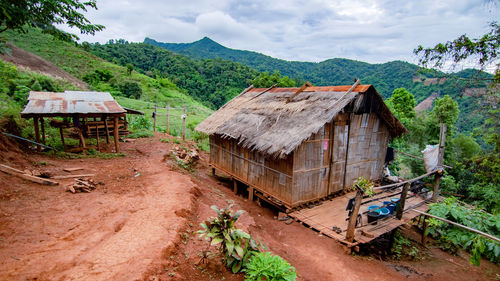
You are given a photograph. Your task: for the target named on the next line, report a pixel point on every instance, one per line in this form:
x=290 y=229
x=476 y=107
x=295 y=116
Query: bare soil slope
x=27 y=60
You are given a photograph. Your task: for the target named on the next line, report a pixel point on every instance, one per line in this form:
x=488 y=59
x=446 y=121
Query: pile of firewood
x=81 y=185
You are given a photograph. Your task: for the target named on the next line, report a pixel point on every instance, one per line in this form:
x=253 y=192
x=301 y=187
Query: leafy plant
x=478 y=246
x=264 y=266
x=402 y=247
x=366 y=185
x=141 y=134
x=141 y=123
x=235 y=245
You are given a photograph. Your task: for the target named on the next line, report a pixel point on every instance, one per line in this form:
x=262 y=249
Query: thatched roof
x=263 y=120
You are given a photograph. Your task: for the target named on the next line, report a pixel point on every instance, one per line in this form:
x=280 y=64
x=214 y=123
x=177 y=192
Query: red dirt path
x=142 y=227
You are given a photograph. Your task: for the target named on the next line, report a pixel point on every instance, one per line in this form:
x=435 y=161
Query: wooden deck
x=332 y=213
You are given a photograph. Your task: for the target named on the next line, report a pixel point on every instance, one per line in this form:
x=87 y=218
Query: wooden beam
x=115 y=134
x=424 y=229
x=184 y=124
x=235 y=186
x=18 y=173
x=97 y=136
x=73 y=169
x=82 y=140
x=106 y=128
x=402 y=201
x=250 y=193
x=354 y=216
x=460 y=225
x=73 y=176
x=300 y=90
x=37 y=133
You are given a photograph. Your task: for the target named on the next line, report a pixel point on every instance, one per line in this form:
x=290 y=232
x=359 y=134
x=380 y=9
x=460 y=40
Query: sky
x=315 y=30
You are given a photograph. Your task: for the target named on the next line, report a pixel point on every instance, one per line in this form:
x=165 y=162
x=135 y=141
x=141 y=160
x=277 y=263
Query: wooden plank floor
x=332 y=213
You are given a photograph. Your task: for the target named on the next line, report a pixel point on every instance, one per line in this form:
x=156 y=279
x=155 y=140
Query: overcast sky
x=313 y=30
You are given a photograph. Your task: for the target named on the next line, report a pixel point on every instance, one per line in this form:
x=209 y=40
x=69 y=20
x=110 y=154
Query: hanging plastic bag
x=431 y=155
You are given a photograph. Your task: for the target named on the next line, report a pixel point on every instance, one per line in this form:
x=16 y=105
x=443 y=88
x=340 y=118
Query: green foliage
x=141 y=122
x=130 y=68
x=235 y=245
x=402 y=247
x=141 y=133
x=266 y=80
x=20 y=14
x=99 y=75
x=478 y=246
x=402 y=104
x=366 y=185
x=446 y=111
x=130 y=89
x=264 y=266
x=466 y=147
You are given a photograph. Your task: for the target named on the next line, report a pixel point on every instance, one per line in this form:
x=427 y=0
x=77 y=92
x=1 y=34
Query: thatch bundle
x=262 y=119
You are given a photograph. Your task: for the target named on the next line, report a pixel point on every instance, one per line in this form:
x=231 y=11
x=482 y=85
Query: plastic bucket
x=396 y=203
x=373 y=217
x=371 y=207
x=389 y=205
x=384 y=212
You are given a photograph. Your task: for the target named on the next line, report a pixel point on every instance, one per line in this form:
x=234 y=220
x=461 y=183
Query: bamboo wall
x=316 y=168
x=270 y=176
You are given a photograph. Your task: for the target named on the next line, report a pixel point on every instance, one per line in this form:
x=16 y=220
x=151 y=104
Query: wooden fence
x=167 y=115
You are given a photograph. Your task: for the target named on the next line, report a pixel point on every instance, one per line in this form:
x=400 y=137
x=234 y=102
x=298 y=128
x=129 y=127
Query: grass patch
x=141 y=134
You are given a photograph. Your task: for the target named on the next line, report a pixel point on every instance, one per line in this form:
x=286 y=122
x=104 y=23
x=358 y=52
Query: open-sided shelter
x=84 y=108
x=297 y=145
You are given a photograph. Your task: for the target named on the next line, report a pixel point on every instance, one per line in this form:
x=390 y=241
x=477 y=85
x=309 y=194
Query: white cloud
x=315 y=30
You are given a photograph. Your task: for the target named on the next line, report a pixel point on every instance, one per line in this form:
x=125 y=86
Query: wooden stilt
x=250 y=193
x=37 y=133
x=82 y=140
x=61 y=131
x=213 y=172
x=391 y=239
x=235 y=186
x=115 y=133
x=424 y=229
x=97 y=136
x=354 y=216
x=106 y=128
x=42 y=126
x=402 y=201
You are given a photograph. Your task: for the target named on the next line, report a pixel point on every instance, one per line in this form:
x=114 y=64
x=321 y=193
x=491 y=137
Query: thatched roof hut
x=278 y=123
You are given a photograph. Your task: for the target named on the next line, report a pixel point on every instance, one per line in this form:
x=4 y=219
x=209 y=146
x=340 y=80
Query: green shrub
x=141 y=123
x=235 y=245
x=264 y=266
x=130 y=89
x=403 y=247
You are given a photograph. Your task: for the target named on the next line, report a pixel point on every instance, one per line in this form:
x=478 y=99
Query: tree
x=130 y=68
x=402 y=103
x=44 y=14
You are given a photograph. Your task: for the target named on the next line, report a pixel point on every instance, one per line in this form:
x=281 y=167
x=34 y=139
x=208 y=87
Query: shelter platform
x=332 y=214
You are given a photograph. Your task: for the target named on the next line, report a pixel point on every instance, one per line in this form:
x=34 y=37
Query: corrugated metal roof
x=70 y=102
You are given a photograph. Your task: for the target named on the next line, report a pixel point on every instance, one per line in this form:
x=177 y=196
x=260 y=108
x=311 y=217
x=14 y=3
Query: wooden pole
x=354 y=216
x=402 y=201
x=42 y=126
x=61 y=131
x=235 y=186
x=439 y=175
x=82 y=140
x=106 y=128
x=115 y=134
x=97 y=135
x=184 y=124
x=168 y=118
x=460 y=225
x=37 y=133
x=424 y=229
x=154 y=120
x=250 y=193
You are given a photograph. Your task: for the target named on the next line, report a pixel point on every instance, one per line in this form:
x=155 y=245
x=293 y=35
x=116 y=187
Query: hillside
x=386 y=77
x=101 y=75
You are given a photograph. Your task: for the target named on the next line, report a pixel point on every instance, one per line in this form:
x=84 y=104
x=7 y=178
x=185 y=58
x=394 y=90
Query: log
x=18 y=173
x=73 y=169
x=73 y=176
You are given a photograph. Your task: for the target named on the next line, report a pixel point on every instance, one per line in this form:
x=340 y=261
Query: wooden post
x=213 y=172
x=424 y=229
x=62 y=137
x=250 y=193
x=115 y=134
x=235 y=186
x=402 y=201
x=154 y=120
x=439 y=174
x=37 y=134
x=168 y=118
x=354 y=216
x=82 y=140
x=42 y=126
x=106 y=128
x=97 y=135
x=184 y=124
